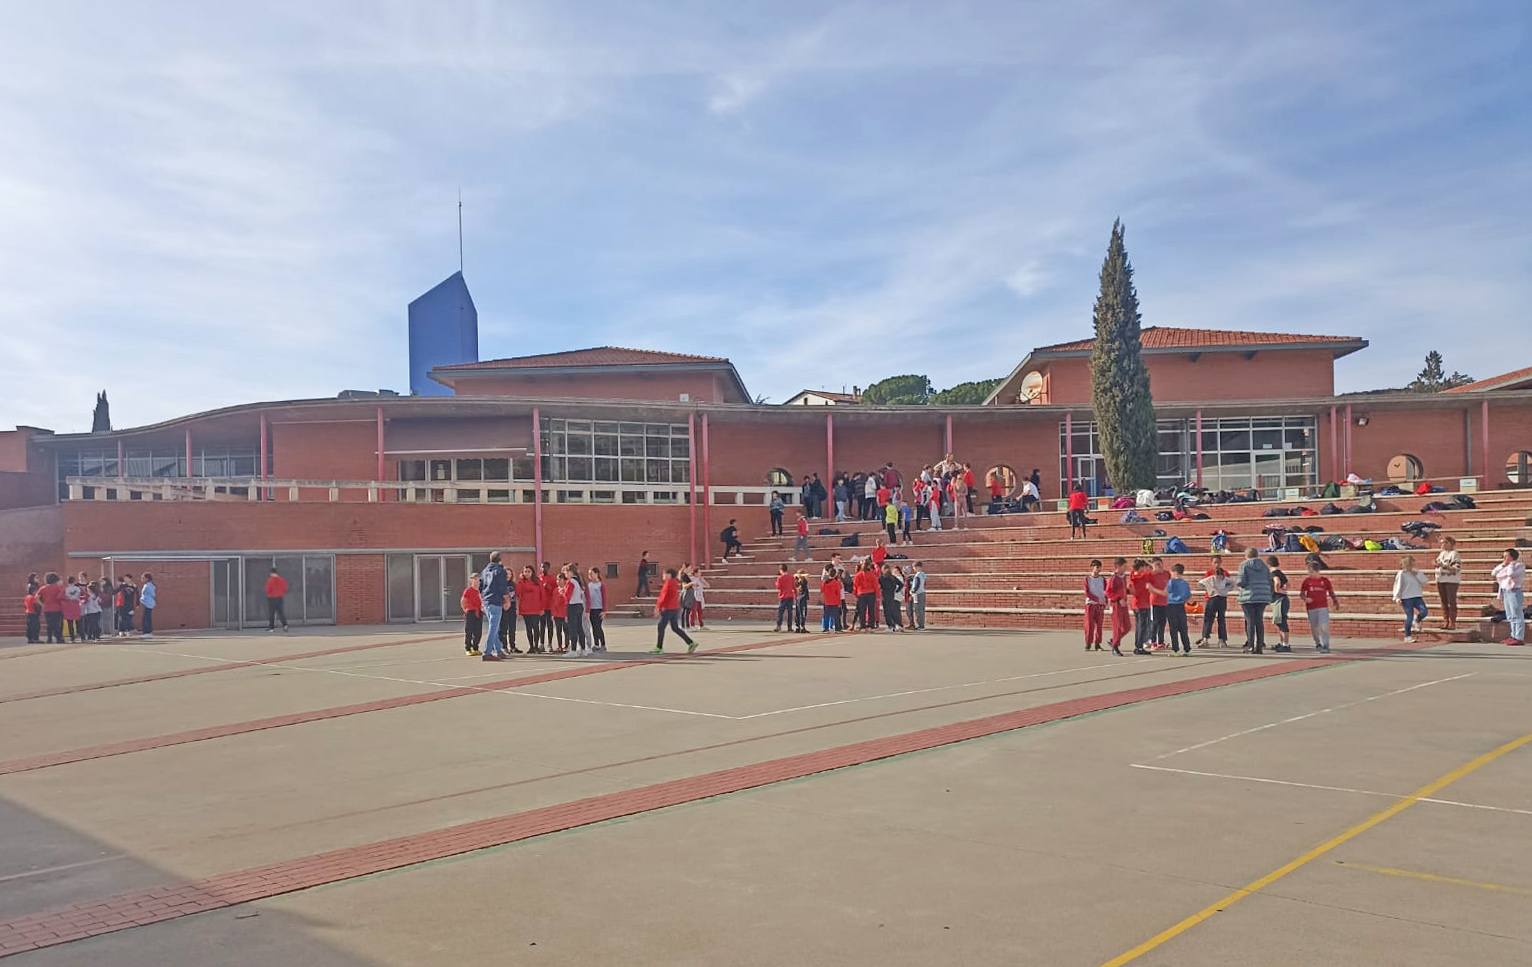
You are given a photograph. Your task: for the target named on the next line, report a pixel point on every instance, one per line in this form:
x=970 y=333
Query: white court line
x=1310 y=785
x=940 y=688
x=590 y=701
x=1306 y=715
x=59 y=869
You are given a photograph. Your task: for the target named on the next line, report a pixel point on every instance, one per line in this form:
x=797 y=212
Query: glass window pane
x=441 y=470
x=680 y=446
x=631 y=446
x=470 y=469
x=632 y=470
x=412 y=470
x=521 y=467
x=579 y=443
x=680 y=471
x=605 y=444
x=580 y=468
x=657 y=471
x=1234 y=440
x=605 y=427
x=497 y=468
x=636 y=429
x=1267 y=440
x=657 y=446
x=400 y=570
x=606 y=470
x=578 y=426
x=243 y=465
x=318 y=589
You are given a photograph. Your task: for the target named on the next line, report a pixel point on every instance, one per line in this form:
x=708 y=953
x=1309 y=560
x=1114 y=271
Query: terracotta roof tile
x=597 y=356
x=1503 y=381
x=1174 y=337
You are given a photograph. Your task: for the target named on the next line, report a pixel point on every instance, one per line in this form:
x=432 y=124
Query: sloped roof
x=1515 y=379
x=1175 y=337
x=596 y=356
x=835 y=397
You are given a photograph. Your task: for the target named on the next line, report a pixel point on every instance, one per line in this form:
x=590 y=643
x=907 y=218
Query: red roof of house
x=1509 y=380
x=1175 y=337
x=597 y=356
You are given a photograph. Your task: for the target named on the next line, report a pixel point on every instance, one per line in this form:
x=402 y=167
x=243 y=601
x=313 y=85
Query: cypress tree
x=1119 y=378
x=101 y=419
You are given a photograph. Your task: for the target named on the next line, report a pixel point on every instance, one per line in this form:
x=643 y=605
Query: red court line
x=222 y=666
x=48 y=760
x=136 y=908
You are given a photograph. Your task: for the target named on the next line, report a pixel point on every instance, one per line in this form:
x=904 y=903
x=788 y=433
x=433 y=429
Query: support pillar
x=122 y=466
x=707 y=493
x=1335 y=460
x=830 y=456
x=1069 y=454
x=1199 y=446
x=537 y=486
x=262 y=470
x=948 y=447
x=1484 y=429
x=1348 y=439
x=691 y=485
x=380 y=444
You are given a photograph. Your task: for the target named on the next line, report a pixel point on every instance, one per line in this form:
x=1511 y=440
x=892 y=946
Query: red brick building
x=378 y=509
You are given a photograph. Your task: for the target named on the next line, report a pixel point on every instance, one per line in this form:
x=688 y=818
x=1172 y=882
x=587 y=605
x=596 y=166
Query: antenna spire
x=460 y=228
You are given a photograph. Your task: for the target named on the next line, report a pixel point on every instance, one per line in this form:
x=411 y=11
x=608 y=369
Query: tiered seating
x=1023 y=571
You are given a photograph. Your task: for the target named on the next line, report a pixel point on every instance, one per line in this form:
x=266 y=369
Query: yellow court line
x=1434 y=878
x=1256 y=886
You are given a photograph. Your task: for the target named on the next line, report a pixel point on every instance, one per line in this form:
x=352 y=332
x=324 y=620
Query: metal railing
x=240 y=489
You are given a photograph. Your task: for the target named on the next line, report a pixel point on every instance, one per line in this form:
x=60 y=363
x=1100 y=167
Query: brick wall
x=1177 y=377
x=699 y=387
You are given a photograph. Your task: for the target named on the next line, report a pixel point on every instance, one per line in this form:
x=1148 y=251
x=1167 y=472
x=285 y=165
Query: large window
x=1268 y=453
x=159 y=462
x=597 y=451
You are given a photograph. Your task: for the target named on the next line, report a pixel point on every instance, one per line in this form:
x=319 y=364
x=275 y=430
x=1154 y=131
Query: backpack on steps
x=851 y=540
x=1147 y=547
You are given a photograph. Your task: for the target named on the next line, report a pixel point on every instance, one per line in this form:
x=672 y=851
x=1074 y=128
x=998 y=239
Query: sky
x=205 y=205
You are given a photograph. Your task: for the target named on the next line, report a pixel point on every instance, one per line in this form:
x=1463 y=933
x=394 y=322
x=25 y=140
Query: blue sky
x=198 y=210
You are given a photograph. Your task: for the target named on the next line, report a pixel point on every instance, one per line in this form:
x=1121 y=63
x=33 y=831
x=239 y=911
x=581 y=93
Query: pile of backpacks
x=1457 y=502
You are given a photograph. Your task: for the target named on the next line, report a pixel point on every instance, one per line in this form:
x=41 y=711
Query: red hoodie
x=670 y=595
x=529 y=597
x=550 y=585
x=833 y=591
x=472 y=601
x=784 y=587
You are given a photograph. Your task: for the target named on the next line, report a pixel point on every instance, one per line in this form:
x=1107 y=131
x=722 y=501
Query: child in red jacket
x=473 y=616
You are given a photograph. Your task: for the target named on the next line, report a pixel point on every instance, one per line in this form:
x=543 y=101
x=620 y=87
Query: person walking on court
x=1217 y=587
x=276 y=607
x=1510 y=576
x=1410 y=594
x=1318 y=595
x=493 y=586
x=668 y=608
x=1254 y=582
x=1095 y=606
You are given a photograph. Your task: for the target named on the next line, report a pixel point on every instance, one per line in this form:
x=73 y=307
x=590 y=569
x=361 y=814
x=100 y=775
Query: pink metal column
x=691 y=484
x=1335 y=460
x=1484 y=428
x=265 y=495
x=948 y=448
x=537 y=484
x=1069 y=454
x=122 y=468
x=380 y=444
x=1199 y=446
x=1348 y=439
x=188 y=452
x=707 y=493
x=830 y=455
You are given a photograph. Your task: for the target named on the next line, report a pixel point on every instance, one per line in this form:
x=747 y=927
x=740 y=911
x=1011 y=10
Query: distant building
x=823 y=397
x=600 y=373
x=444 y=331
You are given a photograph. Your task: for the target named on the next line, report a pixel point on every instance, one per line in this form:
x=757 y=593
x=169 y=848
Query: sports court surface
x=372 y=797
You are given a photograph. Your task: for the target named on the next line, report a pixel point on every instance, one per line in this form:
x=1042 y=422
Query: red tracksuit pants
x=1121 y=622
x=1093 y=616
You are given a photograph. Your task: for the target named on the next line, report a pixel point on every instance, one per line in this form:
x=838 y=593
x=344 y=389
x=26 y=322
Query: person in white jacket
x=1510 y=578
x=1410 y=592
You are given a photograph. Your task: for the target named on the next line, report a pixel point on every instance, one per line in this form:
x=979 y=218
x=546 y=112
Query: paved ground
x=371 y=797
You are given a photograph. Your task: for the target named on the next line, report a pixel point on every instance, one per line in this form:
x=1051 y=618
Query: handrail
x=294 y=490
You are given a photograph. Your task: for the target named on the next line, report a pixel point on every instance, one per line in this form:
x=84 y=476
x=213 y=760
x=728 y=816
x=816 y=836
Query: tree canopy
x=1119 y=378
x=916 y=390
x=970 y=393
x=1433 y=378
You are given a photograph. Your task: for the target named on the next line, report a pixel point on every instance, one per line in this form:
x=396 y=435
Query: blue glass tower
x=444 y=330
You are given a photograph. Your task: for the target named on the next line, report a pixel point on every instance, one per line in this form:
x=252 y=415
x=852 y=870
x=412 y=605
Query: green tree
x=913 y=390
x=101 y=419
x=965 y=394
x=1119 y=379
x=1433 y=378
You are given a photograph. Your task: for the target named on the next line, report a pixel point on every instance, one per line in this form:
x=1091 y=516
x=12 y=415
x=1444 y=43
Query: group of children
x=1152 y=602
x=560 y=612
x=72 y=609
x=867 y=582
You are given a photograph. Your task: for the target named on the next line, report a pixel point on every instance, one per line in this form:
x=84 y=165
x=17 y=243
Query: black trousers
x=533 y=624
x=867 y=611
x=734 y=546
x=893 y=533
x=55 y=622
x=784 y=612
x=473 y=629
x=1255 y=625
x=1177 y=615
x=891 y=611
x=643 y=581
x=1142 y=620
x=276 y=611
x=668 y=619
x=34 y=627
x=597 y=633
x=1161 y=616
x=776 y=523
x=507 y=632
x=1216 y=609
x=560 y=628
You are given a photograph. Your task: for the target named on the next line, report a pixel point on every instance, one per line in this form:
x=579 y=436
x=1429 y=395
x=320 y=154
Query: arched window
x=1405 y=468
x=1518 y=468
x=1008 y=479
x=777 y=477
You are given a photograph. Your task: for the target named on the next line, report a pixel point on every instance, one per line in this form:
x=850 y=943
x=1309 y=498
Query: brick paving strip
x=140 y=907
x=222 y=666
x=87 y=753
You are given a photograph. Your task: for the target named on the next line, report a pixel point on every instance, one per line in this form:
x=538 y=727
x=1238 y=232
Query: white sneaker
x=151 y=635
x=1409 y=639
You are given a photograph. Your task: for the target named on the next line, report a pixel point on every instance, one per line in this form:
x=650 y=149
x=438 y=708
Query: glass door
x=439 y=581
x=227 y=593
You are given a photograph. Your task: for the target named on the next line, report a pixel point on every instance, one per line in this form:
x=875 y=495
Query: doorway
x=439 y=582
x=228 y=593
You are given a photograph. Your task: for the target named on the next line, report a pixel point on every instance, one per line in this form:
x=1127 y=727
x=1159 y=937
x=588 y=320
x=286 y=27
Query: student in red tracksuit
x=529 y=605
x=1095 y=606
x=667 y=608
x=558 y=610
x=832 y=592
x=1117 y=597
x=865 y=586
x=473 y=616
x=784 y=597
x=879 y=554
x=1078 y=505
x=1143 y=607
x=550 y=583
x=969 y=484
